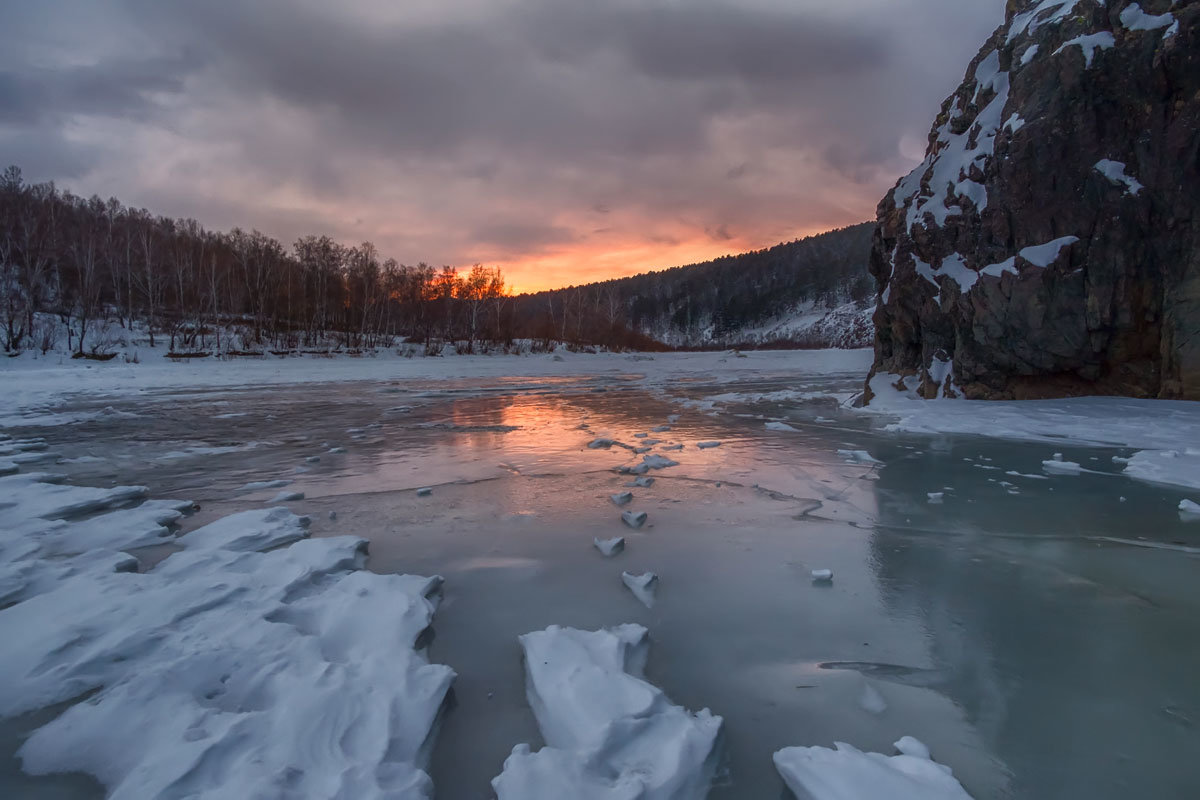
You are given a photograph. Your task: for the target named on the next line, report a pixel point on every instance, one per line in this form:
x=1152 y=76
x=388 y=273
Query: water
x=1042 y=643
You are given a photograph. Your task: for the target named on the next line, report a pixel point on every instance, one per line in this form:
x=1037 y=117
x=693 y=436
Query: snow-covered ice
x=609 y=547
x=206 y=666
x=847 y=773
x=644 y=586
x=609 y=733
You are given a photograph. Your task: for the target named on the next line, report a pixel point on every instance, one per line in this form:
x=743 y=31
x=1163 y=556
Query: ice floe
x=644 y=586
x=609 y=733
x=847 y=773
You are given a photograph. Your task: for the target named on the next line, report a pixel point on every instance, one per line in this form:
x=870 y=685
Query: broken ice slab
x=707 y=445
x=658 y=462
x=601 y=443
x=254 y=486
x=621 y=498
x=644 y=586
x=640 y=450
x=660 y=429
x=846 y=772
x=634 y=519
x=640 y=435
x=608 y=732
x=780 y=426
x=822 y=576
x=609 y=547
x=642 y=482
x=424 y=491
x=287 y=497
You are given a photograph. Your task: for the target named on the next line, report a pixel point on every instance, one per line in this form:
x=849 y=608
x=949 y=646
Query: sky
x=563 y=140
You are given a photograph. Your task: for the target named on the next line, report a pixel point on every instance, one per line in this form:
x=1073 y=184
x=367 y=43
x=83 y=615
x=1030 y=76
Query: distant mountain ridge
x=811 y=292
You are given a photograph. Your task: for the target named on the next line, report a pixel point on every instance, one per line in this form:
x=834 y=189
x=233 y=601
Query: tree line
x=83 y=262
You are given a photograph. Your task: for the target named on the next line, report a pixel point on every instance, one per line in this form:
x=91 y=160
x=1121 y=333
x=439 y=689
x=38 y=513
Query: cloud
x=593 y=135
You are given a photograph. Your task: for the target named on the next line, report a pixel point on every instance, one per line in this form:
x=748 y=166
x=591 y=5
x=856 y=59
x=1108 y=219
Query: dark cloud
x=495 y=130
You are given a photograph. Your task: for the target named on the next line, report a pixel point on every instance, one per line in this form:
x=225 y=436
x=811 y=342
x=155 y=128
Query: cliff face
x=1049 y=244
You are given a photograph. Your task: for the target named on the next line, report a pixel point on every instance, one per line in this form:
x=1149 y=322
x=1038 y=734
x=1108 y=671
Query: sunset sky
x=563 y=140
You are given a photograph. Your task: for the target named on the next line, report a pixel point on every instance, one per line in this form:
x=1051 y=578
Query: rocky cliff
x=1049 y=244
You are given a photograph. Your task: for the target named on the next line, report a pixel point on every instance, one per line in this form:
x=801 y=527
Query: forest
x=73 y=268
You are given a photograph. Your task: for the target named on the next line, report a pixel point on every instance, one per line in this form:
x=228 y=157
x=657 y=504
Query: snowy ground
x=969 y=576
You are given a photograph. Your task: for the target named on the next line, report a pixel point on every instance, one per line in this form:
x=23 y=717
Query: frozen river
x=1037 y=631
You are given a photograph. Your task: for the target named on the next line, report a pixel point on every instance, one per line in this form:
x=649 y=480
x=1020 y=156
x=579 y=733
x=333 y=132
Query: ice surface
x=609 y=734
x=707 y=445
x=634 y=519
x=846 y=773
x=222 y=672
x=644 y=586
x=621 y=498
x=609 y=547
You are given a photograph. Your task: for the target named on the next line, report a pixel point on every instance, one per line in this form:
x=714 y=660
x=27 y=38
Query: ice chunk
x=600 y=444
x=858 y=456
x=257 y=530
x=1189 y=511
x=42 y=495
x=313 y=459
x=672 y=418
x=640 y=450
x=935 y=497
x=255 y=486
x=337 y=450
x=644 y=586
x=621 y=498
x=822 y=576
x=707 y=445
x=660 y=429
x=634 y=519
x=8 y=468
x=871 y=700
x=671 y=447
x=608 y=732
x=287 y=497
x=609 y=547
x=658 y=462
x=642 y=482
x=780 y=426
x=1057 y=466
x=424 y=491
x=846 y=773
x=640 y=435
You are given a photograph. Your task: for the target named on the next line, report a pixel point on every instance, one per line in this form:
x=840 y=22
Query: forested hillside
x=783 y=294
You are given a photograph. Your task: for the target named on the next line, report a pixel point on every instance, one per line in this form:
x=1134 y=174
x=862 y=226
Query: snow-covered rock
x=609 y=734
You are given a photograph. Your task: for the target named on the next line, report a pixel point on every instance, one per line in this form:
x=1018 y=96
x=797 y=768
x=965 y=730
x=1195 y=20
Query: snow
x=634 y=519
x=1089 y=44
x=608 y=732
x=609 y=547
x=1166 y=433
x=846 y=773
x=1029 y=21
x=1135 y=19
x=644 y=586
x=1029 y=54
x=1115 y=172
x=1043 y=255
x=201 y=670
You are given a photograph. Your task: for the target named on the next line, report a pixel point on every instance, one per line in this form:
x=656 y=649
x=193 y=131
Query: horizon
x=565 y=144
